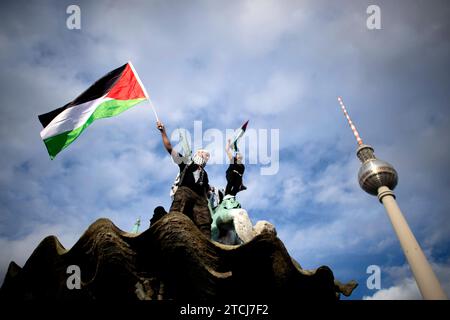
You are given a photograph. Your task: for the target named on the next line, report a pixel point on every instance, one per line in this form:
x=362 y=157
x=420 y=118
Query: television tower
x=379 y=178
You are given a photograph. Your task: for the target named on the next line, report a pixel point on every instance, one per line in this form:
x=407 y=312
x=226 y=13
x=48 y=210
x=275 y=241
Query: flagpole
x=143 y=89
x=153 y=108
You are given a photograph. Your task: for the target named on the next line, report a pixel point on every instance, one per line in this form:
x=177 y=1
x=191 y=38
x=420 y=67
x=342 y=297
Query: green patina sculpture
x=223 y=220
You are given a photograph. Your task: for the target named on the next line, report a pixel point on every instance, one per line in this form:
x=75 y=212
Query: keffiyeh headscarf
x=201 y=157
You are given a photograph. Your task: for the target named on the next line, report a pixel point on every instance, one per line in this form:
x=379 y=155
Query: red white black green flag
x=239 y=135
x=109 y=96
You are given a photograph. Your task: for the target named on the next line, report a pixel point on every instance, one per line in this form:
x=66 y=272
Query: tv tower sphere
x=374 y=173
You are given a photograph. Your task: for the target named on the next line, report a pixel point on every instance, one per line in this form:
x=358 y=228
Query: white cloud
x=337 y=183
x=405 y=287
x=294 y=191
x=280 y=92
x=262 y=23
x=406 y=290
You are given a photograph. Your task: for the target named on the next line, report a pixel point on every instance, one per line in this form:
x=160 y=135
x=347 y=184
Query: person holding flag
x=231 y=223
x=190 y=197
x=114 y=93
x=235 y=171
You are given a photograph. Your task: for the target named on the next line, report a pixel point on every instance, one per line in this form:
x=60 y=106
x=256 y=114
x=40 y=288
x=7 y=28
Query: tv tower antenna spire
x=379 y=178
x=350 y=123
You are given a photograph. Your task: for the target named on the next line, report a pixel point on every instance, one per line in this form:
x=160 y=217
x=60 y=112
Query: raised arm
x=228 y=150
x=164 y=137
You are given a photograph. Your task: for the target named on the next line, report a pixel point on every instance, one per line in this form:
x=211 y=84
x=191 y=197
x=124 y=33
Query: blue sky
x=280 y=64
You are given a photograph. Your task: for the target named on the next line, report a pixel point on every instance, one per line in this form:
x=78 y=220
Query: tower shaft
x=426 y=280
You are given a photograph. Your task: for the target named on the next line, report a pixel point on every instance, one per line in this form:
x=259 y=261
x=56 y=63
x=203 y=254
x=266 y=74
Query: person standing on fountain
x=235 y=172
x=191 y=195
x=231 y=224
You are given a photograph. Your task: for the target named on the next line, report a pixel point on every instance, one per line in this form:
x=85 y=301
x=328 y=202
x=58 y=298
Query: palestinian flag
x=239 y=134
x=116 y=92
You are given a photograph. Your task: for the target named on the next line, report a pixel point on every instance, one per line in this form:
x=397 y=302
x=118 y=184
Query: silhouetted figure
x=158 y=213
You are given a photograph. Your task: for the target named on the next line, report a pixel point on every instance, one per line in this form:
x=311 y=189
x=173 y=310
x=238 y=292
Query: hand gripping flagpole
x=144 y=90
